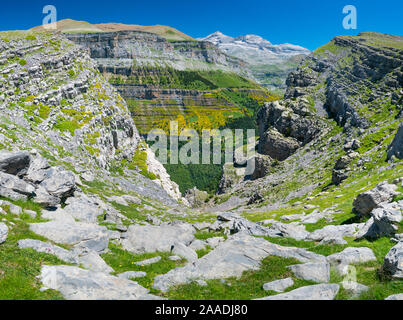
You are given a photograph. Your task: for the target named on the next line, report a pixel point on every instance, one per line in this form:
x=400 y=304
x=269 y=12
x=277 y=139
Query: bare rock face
x=315 y=292
x=196 y=197
x=369 y=200
x=384 y=221
x=396 y=147
x=3 y=232
x=79 y=284
x=15 y=163
x=277 y=146
x=393 y=264
x=284 y=127
x=148 y=239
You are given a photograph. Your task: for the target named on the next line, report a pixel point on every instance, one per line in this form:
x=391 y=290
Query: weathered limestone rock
x=277 y=146
x=278 y=285
x=396 y=147
x=14 y=163
x=14 y=188
x=196 y=198
x=289 y=230
x=37 y=170
x=79 y=284
x=352 y=255
x=48 y=248
x=316 y=292
x=185 y=252
x=369 y=200
x=393 y=264
x=3 y=232
x=231 y=258
x=144 y=239
x=59 y=182
x=385 y=221
x=395 y=297
x=318 y=272
x=334 y=232
x=132 y=275
x=91 y=236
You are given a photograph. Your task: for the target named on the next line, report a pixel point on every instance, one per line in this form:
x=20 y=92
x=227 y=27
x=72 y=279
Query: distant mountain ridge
x=74 y=26
x=254 y=49
x=269 y=63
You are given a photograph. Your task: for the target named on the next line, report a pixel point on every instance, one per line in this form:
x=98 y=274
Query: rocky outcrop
x=284 y=127
x=369 y=200
x=115 y=52
x=384 y=221
x=3 y=232
x=316 y=292
x=393 y=264
x=78 y=284
x=396 y=147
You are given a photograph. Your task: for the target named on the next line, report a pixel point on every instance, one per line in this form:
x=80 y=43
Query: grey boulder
x=278 y=285
x=352 y=255
x=14 y=188
x=90 y=236
x=148 y=239
x=317 y=272
x=393 y=263
x=48 y=248
x=59 y=182
x=369 y=200
x=385 y=221
x=79 y=284
x=3 y=232
x=315 y=292
x=14 y=163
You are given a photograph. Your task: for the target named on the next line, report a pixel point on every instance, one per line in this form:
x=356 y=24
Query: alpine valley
x=88 y=212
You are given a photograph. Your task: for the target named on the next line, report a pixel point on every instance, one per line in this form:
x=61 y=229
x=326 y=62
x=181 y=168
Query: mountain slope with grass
x=86 y=212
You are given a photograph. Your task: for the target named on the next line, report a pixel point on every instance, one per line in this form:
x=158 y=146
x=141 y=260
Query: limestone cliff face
x=56 y=98
x=54 y=102
x=354 y=72
x=124 y=51
x=340 y=118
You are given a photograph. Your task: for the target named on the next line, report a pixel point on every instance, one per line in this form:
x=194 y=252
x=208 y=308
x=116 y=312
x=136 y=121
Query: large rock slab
x=334 y=232
x=317 y=272
x=393 y=263
x=398 y=297
x=148 y=239
x=385 y=221
x=83 y=209
x=231 y=258
x=278 y=285
x=48 y=248
x=79 y=284
x=14 y=163
x=315 y=292
x=3 y=232
x=352 y=255
x=87 y=235
x=289 y=230
x=240 y=224
x=396 y=147
x=14 y=188
x=37 y=171
x=185 y=252
x=369 y=200
x=59 y=182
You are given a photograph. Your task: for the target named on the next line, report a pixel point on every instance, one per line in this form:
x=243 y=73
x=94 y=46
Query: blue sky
x=310 y=23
